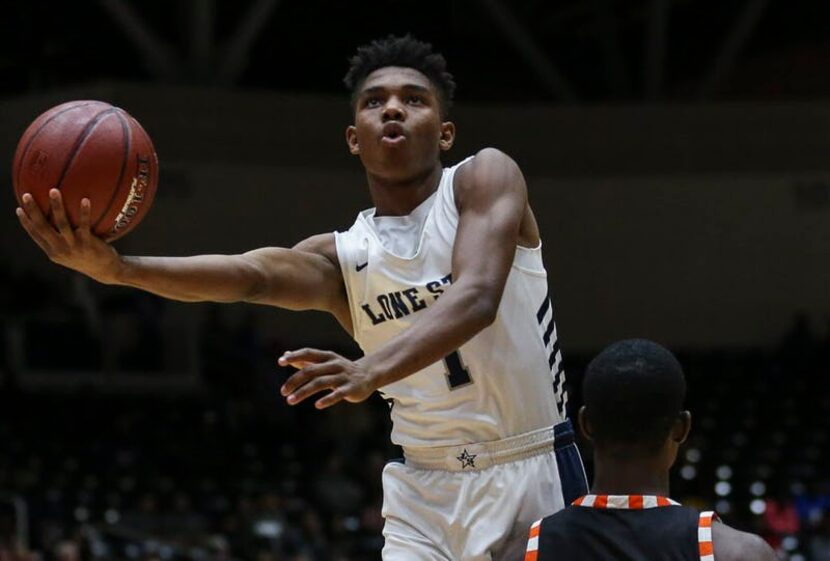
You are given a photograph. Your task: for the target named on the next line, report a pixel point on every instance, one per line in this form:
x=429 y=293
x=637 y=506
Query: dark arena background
x=677 y=154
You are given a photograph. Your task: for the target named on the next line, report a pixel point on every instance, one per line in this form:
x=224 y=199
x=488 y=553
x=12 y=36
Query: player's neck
x=615 y=476
x=399 y=197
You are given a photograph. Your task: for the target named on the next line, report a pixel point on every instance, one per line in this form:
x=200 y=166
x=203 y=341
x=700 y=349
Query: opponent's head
x=401 y=95
x=633 y=393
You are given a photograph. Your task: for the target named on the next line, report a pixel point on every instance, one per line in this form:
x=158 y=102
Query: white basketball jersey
x=506 y=380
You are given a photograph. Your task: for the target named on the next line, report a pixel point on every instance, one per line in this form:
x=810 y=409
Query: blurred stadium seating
x=230 y=472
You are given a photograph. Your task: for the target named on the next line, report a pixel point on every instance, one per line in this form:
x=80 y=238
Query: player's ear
x=447 y=138
x=351 y=140
x=681 y=428
x=585 y=424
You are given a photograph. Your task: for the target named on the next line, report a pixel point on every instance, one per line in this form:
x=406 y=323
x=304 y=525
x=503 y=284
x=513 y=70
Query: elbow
x=489 y=313
x=256 y=288
x=484 y=307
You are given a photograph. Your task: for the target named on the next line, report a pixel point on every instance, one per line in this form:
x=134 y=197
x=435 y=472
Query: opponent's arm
x=492 y=200
x=305 y=277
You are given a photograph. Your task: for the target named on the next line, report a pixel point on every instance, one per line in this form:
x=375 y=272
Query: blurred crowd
x=230 y=472
x=107 y=477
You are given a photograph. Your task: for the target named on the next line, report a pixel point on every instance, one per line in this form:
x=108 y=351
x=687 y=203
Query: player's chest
x=394 y=290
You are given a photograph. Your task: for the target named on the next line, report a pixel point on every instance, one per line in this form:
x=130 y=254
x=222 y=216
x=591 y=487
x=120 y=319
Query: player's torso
x=498 y=384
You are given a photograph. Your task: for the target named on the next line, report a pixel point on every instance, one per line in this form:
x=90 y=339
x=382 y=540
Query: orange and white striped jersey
x=623 y=528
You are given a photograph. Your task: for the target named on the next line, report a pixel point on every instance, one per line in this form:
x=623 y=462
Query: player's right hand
x=77 y=248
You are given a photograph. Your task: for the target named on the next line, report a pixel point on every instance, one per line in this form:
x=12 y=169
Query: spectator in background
x=337 y=492
x=780 y=518
x=813 y=505
x=67 y=550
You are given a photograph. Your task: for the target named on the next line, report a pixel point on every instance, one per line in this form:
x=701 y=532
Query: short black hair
x=633 y=393
x=407 y=52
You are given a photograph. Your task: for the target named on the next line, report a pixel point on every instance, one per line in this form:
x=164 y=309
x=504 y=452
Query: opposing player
x=443 y=287
x=634 y=393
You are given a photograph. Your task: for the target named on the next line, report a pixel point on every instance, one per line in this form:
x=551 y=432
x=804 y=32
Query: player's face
x=398 y=132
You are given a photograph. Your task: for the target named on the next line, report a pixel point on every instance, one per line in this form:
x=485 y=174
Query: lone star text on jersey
x=400 y=303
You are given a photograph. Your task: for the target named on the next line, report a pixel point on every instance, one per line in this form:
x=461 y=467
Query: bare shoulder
x=320 y=244
x=733 y=545
x=487 y=162
x=491 y=156
x=490 y=171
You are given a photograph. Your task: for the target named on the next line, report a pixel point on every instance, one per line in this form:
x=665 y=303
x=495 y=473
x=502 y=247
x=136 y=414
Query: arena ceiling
x=562 y=51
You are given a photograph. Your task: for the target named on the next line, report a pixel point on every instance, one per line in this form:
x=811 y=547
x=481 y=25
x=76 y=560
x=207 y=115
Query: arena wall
x=698 y=226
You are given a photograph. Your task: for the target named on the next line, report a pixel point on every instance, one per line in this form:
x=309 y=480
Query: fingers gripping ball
x=89 y=149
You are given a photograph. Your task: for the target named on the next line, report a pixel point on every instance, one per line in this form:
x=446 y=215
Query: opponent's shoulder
x=489 y=172
x=552 y=535
x=733 y=545
x=555 y=522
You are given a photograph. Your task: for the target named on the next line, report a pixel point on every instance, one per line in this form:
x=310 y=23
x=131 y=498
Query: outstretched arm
x=305 y=277
x=492 y=200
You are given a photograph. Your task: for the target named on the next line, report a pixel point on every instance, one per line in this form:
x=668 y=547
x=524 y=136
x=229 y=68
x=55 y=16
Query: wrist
x=119 y=271
x=374 y=374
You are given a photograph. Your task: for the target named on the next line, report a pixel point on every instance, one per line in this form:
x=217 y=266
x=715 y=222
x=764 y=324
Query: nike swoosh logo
x=358 y=267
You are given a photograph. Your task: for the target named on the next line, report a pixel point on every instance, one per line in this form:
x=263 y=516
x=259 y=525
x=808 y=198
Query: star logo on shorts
x=467 y=459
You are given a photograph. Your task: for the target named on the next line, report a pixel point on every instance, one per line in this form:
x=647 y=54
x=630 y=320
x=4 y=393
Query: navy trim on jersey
x=547 y=333
x=569 y=462
x=540 y=315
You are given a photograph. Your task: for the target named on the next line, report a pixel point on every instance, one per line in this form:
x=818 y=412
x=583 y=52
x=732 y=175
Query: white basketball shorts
x=477 y=502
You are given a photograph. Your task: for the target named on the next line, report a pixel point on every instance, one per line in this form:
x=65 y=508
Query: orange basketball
x=89 y=149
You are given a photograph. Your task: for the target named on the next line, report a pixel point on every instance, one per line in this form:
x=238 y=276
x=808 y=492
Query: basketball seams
x=128 y=137
x=79 y=142
x=16 y=171
x=82 y=148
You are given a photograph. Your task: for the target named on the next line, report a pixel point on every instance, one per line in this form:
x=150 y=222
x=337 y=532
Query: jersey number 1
x=457 y=374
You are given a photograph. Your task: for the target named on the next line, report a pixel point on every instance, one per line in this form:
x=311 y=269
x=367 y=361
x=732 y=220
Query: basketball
x=89 y=149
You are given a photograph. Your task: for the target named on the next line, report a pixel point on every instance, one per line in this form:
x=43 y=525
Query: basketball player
x=441 y=284
x=634 y=393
